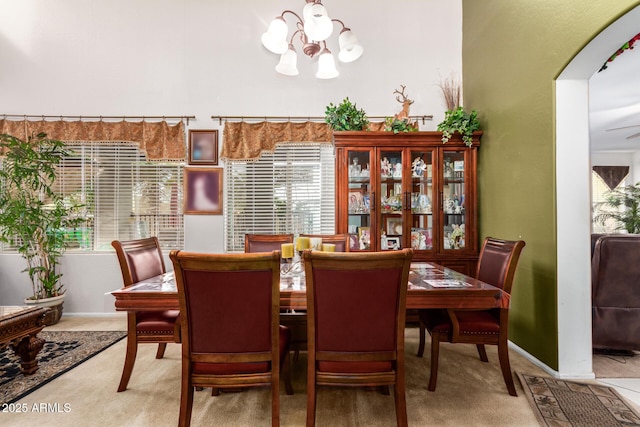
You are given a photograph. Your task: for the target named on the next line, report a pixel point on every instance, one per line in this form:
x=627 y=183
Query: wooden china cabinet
x=409 y=190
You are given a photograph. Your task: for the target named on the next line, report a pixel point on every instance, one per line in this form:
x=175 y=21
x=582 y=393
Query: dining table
x=430 y=286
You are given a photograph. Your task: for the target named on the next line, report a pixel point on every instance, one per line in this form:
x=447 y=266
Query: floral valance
x=246 y=141
x=159 y=140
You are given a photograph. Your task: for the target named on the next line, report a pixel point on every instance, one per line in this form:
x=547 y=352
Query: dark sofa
x=615 y=290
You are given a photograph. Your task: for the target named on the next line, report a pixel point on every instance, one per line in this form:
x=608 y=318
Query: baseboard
x=549 y=370
x=104 y=314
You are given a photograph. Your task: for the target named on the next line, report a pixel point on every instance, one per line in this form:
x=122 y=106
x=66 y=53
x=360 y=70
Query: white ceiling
x=614 y=102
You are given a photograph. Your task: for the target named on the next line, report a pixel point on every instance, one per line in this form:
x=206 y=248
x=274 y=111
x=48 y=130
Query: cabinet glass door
x=392 y=200
x=359 y=204
x=421 y=197
x=453 y=200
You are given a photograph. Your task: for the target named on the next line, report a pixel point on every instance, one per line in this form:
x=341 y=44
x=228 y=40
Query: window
x=291 y=190
x=125 y=196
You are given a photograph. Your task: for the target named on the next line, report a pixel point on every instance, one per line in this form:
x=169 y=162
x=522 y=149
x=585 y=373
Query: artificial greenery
x=459 y=121
x=33 y=217
x=623 y=206
x=392 y=124
x=346 y=116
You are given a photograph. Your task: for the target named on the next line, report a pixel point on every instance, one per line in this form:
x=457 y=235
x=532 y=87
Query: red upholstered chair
x=265 y=242
x=496 y=266
x=230 y=305
x=140 y=260
x=340 y=240
x=356 y=312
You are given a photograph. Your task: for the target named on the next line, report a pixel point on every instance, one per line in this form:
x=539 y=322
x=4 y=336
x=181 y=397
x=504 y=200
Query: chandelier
x=313 y=29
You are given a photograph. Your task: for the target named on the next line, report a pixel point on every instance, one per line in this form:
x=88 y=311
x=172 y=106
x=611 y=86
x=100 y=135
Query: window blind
x=290 y=190
x=125 y=196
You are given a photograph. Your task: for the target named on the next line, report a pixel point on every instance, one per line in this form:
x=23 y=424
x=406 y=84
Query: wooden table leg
x=28 y=349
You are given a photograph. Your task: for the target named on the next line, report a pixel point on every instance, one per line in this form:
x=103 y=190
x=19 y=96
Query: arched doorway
x=573 y=195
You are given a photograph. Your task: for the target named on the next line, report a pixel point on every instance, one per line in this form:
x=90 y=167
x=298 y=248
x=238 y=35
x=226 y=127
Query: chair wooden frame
x=396 y=377
x=275 y=239
x=183 y=261
x=133 y=336
x=512 y=249
x=336 y=239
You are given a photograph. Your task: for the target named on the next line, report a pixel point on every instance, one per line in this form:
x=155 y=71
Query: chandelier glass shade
x=312 y=30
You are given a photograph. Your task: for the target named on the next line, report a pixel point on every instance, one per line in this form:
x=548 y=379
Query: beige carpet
x=469 y=393
x=616 y=366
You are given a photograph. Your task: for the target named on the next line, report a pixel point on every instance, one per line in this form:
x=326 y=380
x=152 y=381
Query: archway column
x=573 y=224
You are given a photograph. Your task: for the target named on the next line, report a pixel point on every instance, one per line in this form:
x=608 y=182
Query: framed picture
x=353 y=242
x=394 y=226
x=393 y=243
x=364 y=238
x=203 y=191
x=203 y=147
x=356 y=201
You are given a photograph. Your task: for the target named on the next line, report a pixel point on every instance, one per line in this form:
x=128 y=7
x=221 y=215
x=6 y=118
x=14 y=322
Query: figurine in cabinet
x=385 y=167
x=397 y=170
x=418 y=167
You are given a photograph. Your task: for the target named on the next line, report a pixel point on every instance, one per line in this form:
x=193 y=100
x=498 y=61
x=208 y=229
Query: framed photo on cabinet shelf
x=393 y=243
x=356 y=201
x=203 y=147
x=394 y=226
x=203 y=191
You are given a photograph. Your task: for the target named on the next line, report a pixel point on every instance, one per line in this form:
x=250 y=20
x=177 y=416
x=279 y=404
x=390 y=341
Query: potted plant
x=460 y=121
x=346 y=116
x=33 y=217
x=623 y=206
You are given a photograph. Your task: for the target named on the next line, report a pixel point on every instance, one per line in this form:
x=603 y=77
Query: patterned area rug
x=568 y=403
x=62 y=351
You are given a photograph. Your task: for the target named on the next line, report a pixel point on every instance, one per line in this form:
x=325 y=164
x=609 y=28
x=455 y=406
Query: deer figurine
x=406 y=102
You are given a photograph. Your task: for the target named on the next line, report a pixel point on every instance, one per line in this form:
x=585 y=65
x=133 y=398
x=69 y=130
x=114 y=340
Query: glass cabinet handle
x=373 y=200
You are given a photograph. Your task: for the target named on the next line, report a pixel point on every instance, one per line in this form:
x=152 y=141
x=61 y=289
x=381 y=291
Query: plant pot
x=54 y=303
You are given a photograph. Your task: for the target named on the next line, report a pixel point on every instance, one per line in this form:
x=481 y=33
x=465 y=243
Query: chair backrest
x=229 y=304
x=139 y=259
x=265 y=242
x=356 y=301
x=340 y=240
x=498 y=261
x=594 y=239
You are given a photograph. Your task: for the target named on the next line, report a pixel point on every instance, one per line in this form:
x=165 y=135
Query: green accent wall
x=512 y=51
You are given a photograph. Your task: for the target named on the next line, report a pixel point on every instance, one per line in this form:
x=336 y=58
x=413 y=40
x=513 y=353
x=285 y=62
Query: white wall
x=203 y=58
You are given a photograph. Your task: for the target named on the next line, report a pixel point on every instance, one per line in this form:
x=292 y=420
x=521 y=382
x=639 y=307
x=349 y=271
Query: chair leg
x=161 y=348
x=482 y=352
x=384 y=389
x=401 y=404
x=435 y=350
x=422 y=339
x=129 y=360
x=311 y=401
x=215 y=391
x=186 y=403
x=286 y=374
x=503 y=355
x=275 y=401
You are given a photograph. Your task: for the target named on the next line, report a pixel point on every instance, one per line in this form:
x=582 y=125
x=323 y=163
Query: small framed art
x=203 y=191
x=203 y=147
x=394 y=226
x=393 y=243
